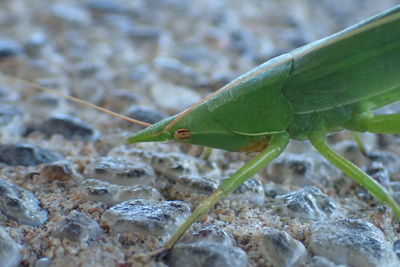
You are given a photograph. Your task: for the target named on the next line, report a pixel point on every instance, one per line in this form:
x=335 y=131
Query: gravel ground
x=73 y=193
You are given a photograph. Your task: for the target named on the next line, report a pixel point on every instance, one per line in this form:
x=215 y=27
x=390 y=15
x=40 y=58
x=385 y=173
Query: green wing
x=359 y=63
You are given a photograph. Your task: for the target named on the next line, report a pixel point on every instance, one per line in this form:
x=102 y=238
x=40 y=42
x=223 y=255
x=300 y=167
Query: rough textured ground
x=73 y=193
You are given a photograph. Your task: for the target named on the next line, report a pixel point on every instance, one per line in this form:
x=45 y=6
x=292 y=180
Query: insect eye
x=182 y=134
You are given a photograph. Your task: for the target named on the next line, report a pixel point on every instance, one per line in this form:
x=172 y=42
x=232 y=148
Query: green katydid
x=328 y=85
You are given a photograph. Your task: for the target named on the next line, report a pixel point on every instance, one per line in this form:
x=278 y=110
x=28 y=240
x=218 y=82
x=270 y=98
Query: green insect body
x=328 y=85
x=320 y=87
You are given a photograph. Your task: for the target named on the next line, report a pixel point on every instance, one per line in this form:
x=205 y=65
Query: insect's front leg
x=277 y=145
x=374 y=188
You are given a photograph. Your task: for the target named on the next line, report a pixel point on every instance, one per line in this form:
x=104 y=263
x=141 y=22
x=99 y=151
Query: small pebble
x=318 y=261
x=43 y=104
x=120 y=171
x=8 y=114
x=273 y=192
x=70 y=13
x=78 y=227
x=9 y=250
x=301 y=170
x=171 y=165
x=11 y=123
x=68 y=126
x=100 y=191
x=389 y=159
x=307 y=203
x=157 y=218
x=144 y=114
x=178 y=73
x=105 y=6
x=60 y=170
x=9 y=48
x=8 y=95
x=86 y=70
x=35 y=43
x=21 y=205
x=282 y=249
x=196 y=184
x=351 y=151
x=379 y=172
x=208 y=254
x=144 y=34
x=43 y=262
x=352 y=242
x=120 y=99
x=396 y=247
x=173 y=98
x=27 y=155
x=209 y=233
x=252 y=190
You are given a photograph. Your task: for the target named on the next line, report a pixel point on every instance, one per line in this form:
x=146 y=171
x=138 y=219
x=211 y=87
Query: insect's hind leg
x=351 y=170
x=382 y=123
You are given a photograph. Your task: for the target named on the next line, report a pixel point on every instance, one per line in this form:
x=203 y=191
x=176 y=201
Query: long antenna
x=75 y=99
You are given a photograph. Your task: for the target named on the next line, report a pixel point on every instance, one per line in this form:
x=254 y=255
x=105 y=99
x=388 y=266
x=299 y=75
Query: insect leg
x=351 y=170
x=277 y=144
x=383 y=123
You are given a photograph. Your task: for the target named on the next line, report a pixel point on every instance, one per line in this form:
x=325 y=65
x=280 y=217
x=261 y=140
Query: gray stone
x=144 y=114
x=11 y=122
x=43 y=262
x=59 y=170
x=27 y=155
x=174 y=98
x=144 y=34
x=251 y=190
x=389 y=159
x=119 y=100
x=307 y=203
x=9 y=250
x=8 y=113
x=78 y=226
x=70 y=13
x=196 y=184
x=171 y=166
x=208 y=254
x=174 y=165
x=303 y=170
x=282 y=249
x=273 y=192
x=96 y=190
x=157 y=218
x=106 y=6
x=8 y=95
x=9 y=48
x=379 y=172
x=68 y=126
x=396 y=247
x=318 y=261
x=352 y=242
x=178 y=73
x=35 y=43
x=120 y=171
x=21 y=205
x=209 y=233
